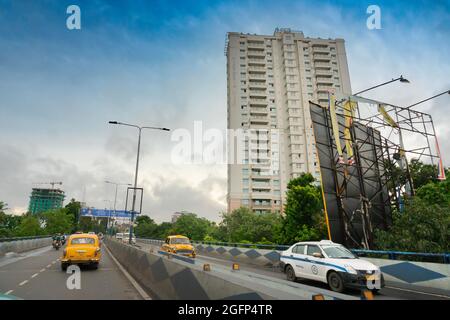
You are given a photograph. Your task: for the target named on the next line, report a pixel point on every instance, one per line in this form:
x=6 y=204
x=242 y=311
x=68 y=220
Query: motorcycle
x=56 y=244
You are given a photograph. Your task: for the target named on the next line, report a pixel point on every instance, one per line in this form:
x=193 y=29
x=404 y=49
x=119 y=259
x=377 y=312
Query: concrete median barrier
x=422 y=276
x=165 y=277
x=19 y=246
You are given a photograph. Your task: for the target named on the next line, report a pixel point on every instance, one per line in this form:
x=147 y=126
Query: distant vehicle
x=119 y=236
x=91 y=232
x=100 y=235
x=81 y=248
x=331 y=263
x=126 y=238
x=179 y=244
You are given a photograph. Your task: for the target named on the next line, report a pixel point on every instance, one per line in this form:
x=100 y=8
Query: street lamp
x=115 y=195
x=137 y=166
x=401 y=79
x=427 y=99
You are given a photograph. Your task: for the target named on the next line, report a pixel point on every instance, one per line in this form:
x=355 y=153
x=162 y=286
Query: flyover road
x=387 y=293
x=37 y=275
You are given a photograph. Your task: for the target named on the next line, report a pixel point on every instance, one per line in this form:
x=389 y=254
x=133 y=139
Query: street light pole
x=137 y=168
x=401 y=79
x=427 y=99
x=115 y=194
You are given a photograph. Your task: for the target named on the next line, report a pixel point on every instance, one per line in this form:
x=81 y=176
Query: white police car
x=331 y=263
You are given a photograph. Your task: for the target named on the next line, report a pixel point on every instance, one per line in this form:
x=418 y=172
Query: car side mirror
x=317 y=255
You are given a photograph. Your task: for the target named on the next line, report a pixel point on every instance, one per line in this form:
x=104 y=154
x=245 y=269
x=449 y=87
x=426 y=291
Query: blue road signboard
x=104 y=213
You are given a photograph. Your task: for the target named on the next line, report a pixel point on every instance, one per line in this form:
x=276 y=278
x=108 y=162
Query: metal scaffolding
x=361 y=190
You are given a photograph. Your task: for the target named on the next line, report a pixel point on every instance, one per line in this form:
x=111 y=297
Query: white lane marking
x=42 y=270
x=414 y=291
x=9 y=292
x=136 y=285
x=34 y=275
x=23 y=282
x=53 y=262
x=32 y=253
x=48 y=266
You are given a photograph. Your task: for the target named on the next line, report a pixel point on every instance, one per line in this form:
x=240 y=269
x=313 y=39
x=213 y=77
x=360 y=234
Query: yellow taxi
x=82 y=248
x=179 y=245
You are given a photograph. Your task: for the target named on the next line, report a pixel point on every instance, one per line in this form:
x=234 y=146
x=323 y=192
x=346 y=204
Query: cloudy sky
x=162 y=63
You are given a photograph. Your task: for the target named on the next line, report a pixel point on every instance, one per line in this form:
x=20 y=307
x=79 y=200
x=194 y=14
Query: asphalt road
x=386 y=293
x=37 y=275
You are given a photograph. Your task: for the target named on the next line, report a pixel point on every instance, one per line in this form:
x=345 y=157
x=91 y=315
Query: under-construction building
x=42 y=199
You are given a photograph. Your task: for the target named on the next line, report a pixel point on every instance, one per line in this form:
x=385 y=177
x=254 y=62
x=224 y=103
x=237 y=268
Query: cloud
x=152 y=64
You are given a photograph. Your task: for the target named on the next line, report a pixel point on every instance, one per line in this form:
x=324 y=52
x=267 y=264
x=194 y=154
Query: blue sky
x=162 y=63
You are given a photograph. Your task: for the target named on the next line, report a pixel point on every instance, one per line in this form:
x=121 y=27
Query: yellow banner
x=335 y=125
x=386 y=116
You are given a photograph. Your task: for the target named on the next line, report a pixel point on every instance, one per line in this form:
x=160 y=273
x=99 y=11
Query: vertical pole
x=135 y=186
x=115 y=200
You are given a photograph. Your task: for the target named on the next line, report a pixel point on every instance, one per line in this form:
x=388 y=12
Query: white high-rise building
x=271 y=79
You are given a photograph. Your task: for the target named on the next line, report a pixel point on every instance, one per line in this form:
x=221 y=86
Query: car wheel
x=290 y=273
x=95 y=266
x=335 y=282
x=64 y=266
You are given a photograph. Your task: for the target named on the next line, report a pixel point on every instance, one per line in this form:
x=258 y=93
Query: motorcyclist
x=56 y=240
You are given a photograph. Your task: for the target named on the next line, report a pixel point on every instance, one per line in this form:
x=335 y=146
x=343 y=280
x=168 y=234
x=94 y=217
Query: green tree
x=422 y=173
x=8 y=222
x=421 y=227
x=29 y=226
x=58 y=221
x=163 y=230
x=435 y=192
x=303 y=211
x=73 y=209
x=191 y=226
x=243 y=225
x=146 y=227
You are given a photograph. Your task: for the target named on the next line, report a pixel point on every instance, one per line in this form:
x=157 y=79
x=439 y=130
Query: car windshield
x=338 y=252
x=83 y=241
x=180 y=241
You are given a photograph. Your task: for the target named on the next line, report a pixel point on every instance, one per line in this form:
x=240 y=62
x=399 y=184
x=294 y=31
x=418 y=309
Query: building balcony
x=259 y=121
x=257 y=69
x=322 y=57
x=257 y=76
x=257 y=95
x=259 y=111
x=257 y=84
x=322 y=65
x=262 y=205
x=324 y=80
x=255 y=44
x=258 y=117
x=257 y=102
x=321 y=49
x=256 y=53
x=261 y=194
x=256 y=62
x=265 y=186
x=323 y=72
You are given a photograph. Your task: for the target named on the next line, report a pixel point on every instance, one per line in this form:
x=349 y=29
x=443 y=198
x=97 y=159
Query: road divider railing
x=428 y=277
x=380 y=254
x=9 y=239
x=164 y=276
x=18 y=245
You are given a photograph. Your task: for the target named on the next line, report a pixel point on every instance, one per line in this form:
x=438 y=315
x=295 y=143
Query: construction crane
x=51 y=183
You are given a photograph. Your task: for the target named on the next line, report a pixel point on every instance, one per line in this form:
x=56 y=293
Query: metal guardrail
x=391 y=255
x=23 y=238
